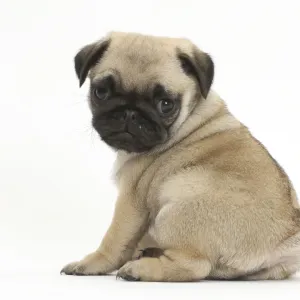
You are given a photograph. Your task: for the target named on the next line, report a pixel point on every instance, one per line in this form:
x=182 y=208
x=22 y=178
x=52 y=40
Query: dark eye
x=165 y=106
x=102 y=93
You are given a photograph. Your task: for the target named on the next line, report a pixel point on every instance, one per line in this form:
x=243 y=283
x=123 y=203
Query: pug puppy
x=198 y=194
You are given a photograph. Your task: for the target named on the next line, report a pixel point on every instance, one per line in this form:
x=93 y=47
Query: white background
x=56 y=192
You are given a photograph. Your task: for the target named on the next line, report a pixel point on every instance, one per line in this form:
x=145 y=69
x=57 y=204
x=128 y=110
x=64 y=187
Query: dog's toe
x=69 y=269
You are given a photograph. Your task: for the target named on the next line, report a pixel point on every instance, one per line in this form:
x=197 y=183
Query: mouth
x=125 y=141
x=126 y=135
x=123 y=135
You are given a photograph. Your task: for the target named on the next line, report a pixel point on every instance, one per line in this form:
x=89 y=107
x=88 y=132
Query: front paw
x=93 y=264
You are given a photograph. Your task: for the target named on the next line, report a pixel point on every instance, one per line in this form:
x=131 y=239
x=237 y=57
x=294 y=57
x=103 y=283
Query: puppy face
x=142 y=88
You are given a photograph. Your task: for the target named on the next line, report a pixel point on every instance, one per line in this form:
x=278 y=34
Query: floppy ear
x=87 y=57
x=199 y=65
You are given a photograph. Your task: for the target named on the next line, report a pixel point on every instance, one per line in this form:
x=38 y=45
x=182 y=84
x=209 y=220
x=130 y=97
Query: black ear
x=201 y=66
x=87 y=57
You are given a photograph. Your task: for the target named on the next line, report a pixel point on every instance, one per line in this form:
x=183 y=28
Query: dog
x=199 y=196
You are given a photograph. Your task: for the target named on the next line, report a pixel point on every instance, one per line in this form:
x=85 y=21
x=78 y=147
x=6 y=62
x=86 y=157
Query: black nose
x=130 y=115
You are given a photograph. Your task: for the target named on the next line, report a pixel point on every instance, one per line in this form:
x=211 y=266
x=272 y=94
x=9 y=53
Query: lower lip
x=123 y=134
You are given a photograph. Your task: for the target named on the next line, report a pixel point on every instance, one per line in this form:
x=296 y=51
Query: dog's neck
x=210 y=116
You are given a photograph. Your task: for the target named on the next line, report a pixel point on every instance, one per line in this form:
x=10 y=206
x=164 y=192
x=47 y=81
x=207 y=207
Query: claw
x=127 y=277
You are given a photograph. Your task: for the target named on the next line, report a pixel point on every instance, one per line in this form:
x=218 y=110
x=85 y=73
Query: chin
x=127 y=142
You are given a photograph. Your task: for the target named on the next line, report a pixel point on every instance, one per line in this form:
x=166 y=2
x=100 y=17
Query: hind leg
x=278 y=272
x=284 y=263
x=166 y=265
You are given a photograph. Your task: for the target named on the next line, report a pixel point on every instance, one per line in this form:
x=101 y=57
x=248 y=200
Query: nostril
x=133 y=117
x=119 y=115
x=129 y=114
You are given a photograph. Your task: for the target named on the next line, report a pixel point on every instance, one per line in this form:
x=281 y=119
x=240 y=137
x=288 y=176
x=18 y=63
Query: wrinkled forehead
x=141 y=63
